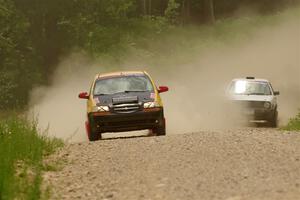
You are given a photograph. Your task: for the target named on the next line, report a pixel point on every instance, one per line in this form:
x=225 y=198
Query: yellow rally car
x=124 y=101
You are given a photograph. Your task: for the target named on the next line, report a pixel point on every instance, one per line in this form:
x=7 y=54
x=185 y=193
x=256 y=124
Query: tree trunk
x=210 y=12
x=144 y=7
x=149 y=7
x=188 y=10
x=185 y=10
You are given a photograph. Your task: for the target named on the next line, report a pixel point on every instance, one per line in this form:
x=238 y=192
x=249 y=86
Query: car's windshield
x=242 y=87
x=121 y=84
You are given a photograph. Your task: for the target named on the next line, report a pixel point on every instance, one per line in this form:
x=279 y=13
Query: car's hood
x=251 y=97
x=131 y=97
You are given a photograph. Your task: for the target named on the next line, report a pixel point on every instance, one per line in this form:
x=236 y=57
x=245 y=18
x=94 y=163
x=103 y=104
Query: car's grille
x=126 y=104
x=126 y=108
x=252 y=104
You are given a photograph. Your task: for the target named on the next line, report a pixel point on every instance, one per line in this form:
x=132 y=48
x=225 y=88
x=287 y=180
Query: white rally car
x=256 y=99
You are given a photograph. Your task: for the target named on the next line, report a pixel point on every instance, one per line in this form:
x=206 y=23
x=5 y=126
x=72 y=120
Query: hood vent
x=125 y=99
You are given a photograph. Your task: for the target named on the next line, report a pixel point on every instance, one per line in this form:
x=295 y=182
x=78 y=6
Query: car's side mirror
x=163 y=89
x=84 y=95
x=276 y=93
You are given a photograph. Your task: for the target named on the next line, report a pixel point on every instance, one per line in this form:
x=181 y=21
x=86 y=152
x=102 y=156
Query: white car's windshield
x=242 y=87
x=122 y=84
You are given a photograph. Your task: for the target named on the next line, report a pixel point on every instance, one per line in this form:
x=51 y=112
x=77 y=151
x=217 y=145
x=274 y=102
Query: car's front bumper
x=112 y=122
x=259 y=115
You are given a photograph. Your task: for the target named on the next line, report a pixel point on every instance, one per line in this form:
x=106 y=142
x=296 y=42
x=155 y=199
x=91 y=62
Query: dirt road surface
x=243 y=164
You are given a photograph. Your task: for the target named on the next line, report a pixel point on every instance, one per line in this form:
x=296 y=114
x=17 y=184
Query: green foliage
x=7 y=88
x=294 y=124
x=18 y=69
x=172 y=12
x=21 y=151
x=35 y=34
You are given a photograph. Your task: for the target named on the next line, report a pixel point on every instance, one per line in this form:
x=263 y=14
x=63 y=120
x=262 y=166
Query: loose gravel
x=243 y=164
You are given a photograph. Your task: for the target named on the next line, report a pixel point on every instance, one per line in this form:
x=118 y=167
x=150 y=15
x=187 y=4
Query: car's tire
x=94 y=136
x=274 y=121
x=160 y=130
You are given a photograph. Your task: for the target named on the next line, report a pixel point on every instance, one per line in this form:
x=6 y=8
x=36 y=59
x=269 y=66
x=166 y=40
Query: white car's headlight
x=151 y=105
x=100 y=109
x=267 y=105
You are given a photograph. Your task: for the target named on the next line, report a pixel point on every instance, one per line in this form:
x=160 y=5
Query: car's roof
x=251 y=79
x=120 y=73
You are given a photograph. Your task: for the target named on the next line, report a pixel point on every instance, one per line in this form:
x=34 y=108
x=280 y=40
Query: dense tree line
x=202 y=11
x=34 y=34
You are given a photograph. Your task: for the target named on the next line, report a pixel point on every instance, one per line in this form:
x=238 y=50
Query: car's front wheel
x=161 y=129
x=274 y=121
x=92 y=135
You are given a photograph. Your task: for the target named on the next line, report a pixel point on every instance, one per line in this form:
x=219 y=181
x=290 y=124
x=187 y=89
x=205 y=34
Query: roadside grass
x=22 y=150
x=294 y=124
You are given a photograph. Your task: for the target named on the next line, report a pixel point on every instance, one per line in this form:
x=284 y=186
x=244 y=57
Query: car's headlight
x=151 y=105
x=100 y=109
x=267 y=105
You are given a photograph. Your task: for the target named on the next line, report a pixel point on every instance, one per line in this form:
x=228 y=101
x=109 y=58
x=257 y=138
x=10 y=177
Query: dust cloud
x=196 y=100
x=196 y=97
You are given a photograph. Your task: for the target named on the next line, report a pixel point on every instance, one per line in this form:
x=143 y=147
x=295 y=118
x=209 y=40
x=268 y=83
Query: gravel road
x=243 y=164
